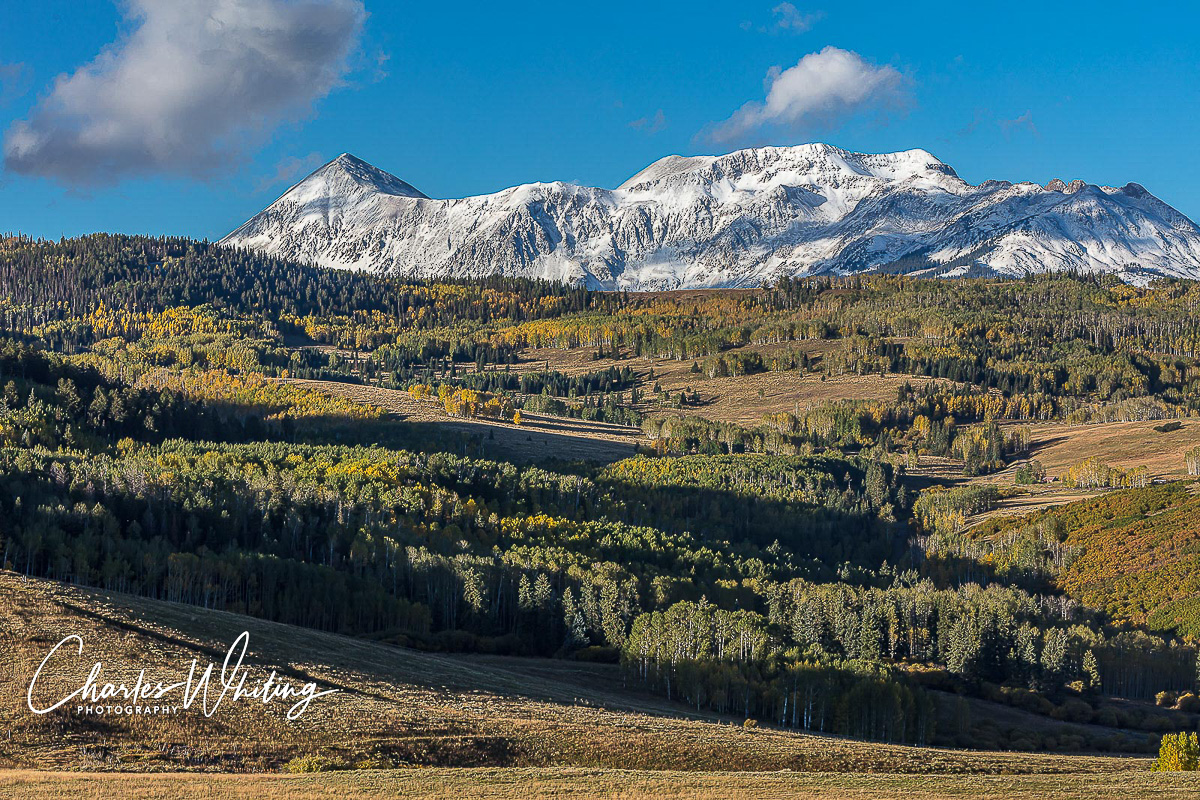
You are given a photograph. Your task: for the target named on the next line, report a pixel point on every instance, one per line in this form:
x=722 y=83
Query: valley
x=427 y=401
x=734 y=542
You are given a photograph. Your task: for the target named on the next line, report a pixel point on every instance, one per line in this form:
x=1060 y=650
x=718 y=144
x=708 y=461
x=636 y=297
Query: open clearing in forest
x=1119 y=444
x=579 y=360
x=1031 y=499
x=746 y=399
x=521 y=784
x=742 y=399
x=1058 y=446
x=539 y=436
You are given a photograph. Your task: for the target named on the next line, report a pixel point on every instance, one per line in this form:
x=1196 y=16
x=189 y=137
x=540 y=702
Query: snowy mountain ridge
x=741 y=219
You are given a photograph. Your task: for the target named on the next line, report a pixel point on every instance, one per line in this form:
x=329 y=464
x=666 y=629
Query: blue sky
x=463 y=99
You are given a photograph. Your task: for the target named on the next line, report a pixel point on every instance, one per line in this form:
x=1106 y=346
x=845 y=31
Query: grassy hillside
x=1134 y=553
x=399 y=707
x=420 y=725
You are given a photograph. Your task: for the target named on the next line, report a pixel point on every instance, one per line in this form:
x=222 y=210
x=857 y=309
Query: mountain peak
x=815 y=159
x=739 y=219
x=349 y=173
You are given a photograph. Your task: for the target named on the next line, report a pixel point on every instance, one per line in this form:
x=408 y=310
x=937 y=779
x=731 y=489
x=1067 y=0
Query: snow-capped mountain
x=735 y=220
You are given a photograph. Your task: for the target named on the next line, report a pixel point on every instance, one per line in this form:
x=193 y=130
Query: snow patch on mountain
x=741 y=219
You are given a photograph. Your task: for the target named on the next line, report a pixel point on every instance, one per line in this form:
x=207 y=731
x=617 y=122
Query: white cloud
x=381 y=59
x=792 y=20
x=822 y=90
x=1024 y=121
x=14 y=82
x=652 y=124
x=187 y=89
x=980 y=117
x=288 y=168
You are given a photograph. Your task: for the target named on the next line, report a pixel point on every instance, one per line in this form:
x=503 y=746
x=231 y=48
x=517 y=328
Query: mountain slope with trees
x=806 y=572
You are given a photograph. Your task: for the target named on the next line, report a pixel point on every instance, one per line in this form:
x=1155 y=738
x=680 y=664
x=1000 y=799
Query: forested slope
x=810 y=571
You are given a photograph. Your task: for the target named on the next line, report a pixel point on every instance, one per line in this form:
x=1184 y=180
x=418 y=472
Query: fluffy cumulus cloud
x=187 y=89
x=821 y=91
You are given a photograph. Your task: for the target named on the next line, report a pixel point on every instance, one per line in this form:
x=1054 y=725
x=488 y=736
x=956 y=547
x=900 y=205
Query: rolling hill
x=542 y=721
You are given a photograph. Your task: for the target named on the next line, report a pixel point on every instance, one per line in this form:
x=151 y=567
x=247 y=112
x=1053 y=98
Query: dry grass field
x=539 y=436
x=1028 y=499
x=427 y=725
x=1120 y=444
x=399 y=707
x=524 y=784
x=743 y=399
x=582 y=359
x=1058 y=446
x=746 y=399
